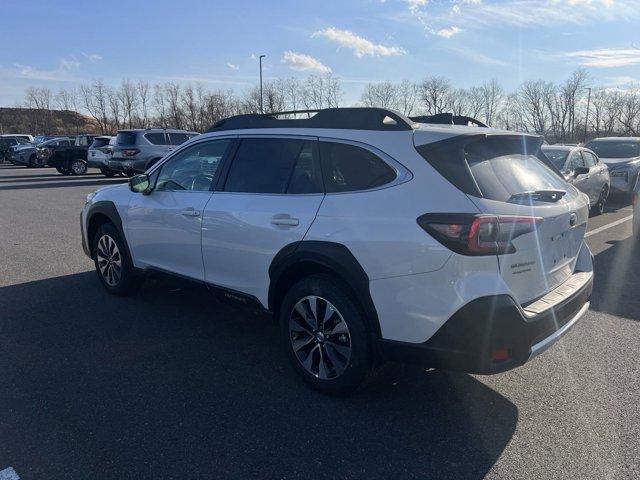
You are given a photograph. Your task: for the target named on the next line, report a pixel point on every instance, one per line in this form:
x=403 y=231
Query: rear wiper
x=537 y=195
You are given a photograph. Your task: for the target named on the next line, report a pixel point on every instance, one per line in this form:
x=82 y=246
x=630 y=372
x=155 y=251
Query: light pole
x=260 y=58
x=586 y=120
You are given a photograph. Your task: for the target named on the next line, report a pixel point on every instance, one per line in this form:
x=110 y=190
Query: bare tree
x=143 y=104
x=94 y=100
x=383 y=95
x=436 y=95
x=533 y=104
x=630 y=112
x=175 y=114
x=492 y=95
x=160 y=105
x=128 y=97
x=115 y=108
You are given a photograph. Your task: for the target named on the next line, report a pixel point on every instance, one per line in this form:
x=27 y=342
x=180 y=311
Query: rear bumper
x=493 y=334
x=127 y=165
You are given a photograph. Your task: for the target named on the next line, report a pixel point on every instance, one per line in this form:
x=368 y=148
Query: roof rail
x=353 y=118
x=449 y=119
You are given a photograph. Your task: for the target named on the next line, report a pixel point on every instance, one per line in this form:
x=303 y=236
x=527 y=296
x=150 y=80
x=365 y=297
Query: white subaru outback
x=369 y=236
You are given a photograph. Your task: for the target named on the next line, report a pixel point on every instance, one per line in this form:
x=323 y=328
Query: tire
x=78 y=167
x=598 y=208
x=107 y=173
x=333 y=357
x=62 y=170
x=113 y=265
x=32 y=162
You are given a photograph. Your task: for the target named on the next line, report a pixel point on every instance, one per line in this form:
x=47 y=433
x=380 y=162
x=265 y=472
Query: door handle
x=190 y=212
x=285 y=220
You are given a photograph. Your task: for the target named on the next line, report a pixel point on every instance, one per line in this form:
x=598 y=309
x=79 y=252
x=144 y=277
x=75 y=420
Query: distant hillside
x=44 y=122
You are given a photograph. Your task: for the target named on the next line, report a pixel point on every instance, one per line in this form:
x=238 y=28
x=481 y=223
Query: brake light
x=131 y=152
x=470 y=234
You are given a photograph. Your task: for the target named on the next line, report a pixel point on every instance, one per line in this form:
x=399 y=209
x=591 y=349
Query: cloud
x=606 y=57
x=66 y=71
x=448 y=32
x=360 y=45
x=434 y=15
x=92 y=57
x=232 y=66
x=303 y=62
x=622 y=81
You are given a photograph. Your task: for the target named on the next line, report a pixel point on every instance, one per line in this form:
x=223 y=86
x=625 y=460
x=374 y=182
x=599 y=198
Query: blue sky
x=64 y=43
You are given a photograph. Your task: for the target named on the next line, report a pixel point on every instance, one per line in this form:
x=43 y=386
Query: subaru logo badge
x=573 y=219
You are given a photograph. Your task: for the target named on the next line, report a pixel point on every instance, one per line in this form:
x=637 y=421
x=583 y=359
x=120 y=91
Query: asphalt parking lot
x=173 y=384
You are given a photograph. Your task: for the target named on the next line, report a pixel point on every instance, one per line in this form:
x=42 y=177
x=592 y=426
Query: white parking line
x=608 y=225
x=9 y=474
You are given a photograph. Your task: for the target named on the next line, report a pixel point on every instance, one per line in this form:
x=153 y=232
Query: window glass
x=194 y=168
x=576 y=160
x=589 y=159
x=615 y=148
x=126 y=138
x=157 y=138
x=177 y=138
x=275 y=165
x=100 y=142
x=557 y=157
x=348 y=168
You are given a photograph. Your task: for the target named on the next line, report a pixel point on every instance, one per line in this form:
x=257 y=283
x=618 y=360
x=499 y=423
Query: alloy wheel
x=78 y=167
x=109 y=260
x=320 y=337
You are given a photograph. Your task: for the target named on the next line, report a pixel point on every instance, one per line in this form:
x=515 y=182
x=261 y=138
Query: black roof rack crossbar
x=335 y=118
x=448 y=119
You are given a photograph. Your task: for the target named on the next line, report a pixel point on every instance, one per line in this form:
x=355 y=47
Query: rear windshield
x=557 y=157
x=126 y=138
x=100 y=142
x=613 y=149
x=496 y=168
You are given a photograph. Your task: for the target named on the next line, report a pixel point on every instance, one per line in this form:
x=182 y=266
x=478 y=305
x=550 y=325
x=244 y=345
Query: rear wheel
x=598 y=208
x=113 y=265
x=78 y=167
x=62 y=170
x=325 y=334
x=107 y=173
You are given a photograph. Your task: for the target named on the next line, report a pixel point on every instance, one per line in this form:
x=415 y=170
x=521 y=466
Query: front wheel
x=325 y=334
x=113 y=265
x=62 y=170
x=107 y=173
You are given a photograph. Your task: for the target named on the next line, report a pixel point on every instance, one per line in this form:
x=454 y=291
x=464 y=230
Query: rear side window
x=496 y=168
x=157 y=138
x=275 y=165
x=349 y=168
x=126 y=138
x=177 y=138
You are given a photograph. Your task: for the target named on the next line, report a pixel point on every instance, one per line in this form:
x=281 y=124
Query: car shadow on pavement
x=66 y=182
x=173 y=384
x=42 y=177
x=617 y=269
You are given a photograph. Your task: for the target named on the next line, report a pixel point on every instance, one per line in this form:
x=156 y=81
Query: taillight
x=130 y=152
x=470 y=234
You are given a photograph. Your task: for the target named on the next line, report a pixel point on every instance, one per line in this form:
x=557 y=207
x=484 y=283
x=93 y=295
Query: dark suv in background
x=137 y=150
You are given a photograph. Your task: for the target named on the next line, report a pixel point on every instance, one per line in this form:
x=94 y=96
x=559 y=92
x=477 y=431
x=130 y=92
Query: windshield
x=557 y=157
x=615 y=149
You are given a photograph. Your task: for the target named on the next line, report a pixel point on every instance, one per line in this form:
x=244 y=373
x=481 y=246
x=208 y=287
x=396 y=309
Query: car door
x=270 y=197
x=579 y=181
x=596 y=177
x=164 y=227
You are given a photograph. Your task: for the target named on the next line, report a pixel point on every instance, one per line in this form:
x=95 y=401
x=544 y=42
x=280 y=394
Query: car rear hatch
x=534 y=220
x=125 y=146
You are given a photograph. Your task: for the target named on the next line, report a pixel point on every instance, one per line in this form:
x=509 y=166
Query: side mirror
x=580 y=171
x=140 y=184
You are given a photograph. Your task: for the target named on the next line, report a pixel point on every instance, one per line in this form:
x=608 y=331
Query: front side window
x=349 y=168
x=576 y=160
x=194 y=168
x=275 y=165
